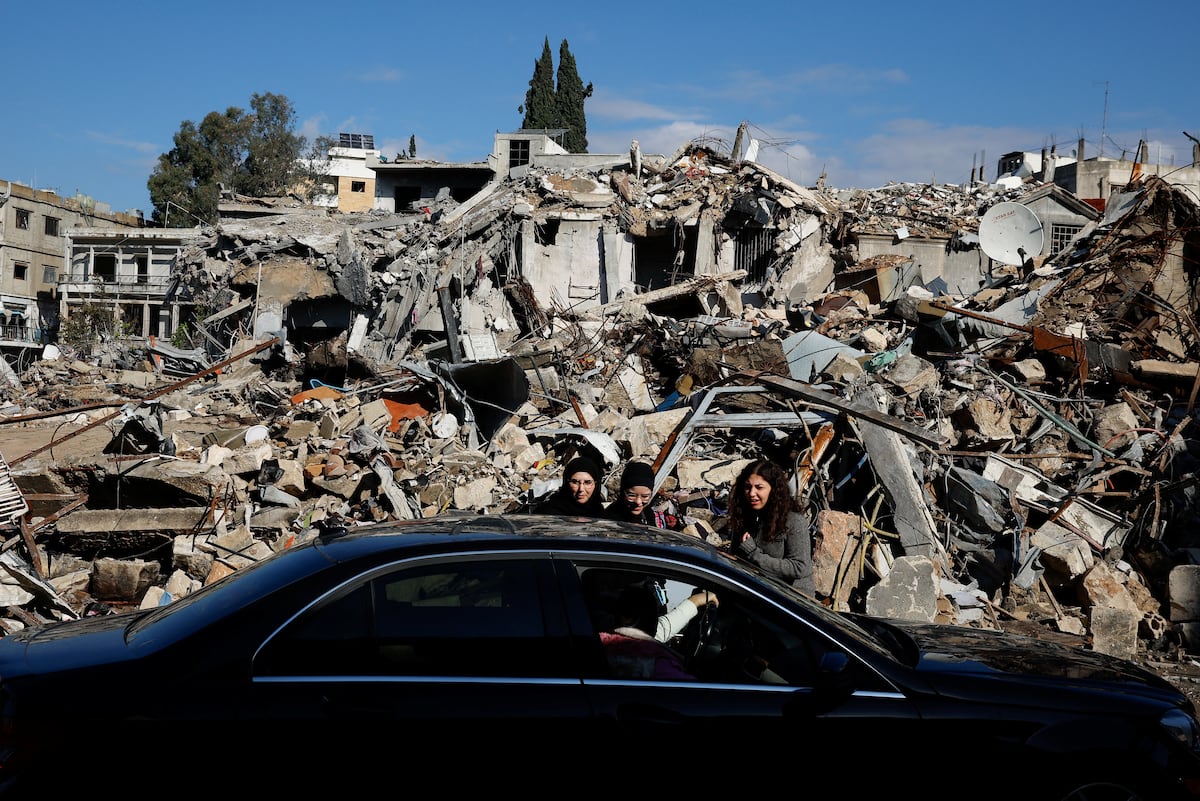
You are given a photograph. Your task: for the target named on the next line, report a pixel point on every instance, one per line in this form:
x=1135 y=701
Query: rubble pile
x=1018 y=456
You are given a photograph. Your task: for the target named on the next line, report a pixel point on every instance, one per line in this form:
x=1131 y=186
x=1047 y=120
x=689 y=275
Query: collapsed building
x=977 y=442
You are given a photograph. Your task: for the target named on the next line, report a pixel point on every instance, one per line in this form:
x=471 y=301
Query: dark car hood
x=947 y=652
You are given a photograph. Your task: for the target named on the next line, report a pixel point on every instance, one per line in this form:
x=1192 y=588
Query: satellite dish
x=1011 y=233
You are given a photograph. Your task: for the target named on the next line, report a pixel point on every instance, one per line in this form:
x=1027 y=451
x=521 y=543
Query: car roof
x=507 y=531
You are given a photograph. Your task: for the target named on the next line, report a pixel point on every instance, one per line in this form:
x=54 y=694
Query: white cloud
x=140 y=147
x=381 y=74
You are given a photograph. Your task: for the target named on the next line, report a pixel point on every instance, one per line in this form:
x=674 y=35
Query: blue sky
x=867 y=92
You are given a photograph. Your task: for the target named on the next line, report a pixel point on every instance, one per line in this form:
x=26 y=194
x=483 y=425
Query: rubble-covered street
x=1000 y=446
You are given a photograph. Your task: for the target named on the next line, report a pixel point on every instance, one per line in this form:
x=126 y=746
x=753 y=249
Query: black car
x=481 y=650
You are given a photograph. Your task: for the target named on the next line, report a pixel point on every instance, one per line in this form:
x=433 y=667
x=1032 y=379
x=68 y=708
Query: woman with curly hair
x=767 y=526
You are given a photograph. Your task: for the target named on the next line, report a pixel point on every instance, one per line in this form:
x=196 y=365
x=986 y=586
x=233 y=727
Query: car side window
x=465 y=618
x=742 y=640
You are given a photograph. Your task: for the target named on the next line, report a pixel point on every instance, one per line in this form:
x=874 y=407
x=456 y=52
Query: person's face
x=638 y=498
x=758 y=491
x=582 y=485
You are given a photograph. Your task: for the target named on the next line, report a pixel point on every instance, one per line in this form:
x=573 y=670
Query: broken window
x=518 y=153
x=51 y=226
x=358 y=186
x=20 y=270
x=1061 y=235
x=23 y=219
x=49 y=274
x=406 y=196
x=546 y=232
x=143 y=270
x=753 y=249
x=104 y=266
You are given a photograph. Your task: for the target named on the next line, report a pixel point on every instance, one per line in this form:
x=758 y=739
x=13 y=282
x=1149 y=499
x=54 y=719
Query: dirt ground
x=17 y=440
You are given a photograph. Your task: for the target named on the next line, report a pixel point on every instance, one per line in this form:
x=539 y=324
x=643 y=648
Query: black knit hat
x=637 y=474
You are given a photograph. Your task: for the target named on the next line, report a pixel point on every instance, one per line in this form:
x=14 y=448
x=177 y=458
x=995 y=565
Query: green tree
x=568 y=100
x=540 y=108
x=412 y=146
x=273 y=150
x=255 y=153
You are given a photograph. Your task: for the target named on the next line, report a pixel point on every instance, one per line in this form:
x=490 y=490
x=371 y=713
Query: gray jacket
x=788 y=558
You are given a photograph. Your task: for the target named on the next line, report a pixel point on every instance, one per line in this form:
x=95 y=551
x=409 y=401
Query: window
x=20 y=270
x=23 y=219
x=49 y=274
x=143 y=269
x=518 y=153
x=104 y=267
x=743 y=642
x=1061 y=236
x=358 y=186
x=51 y=226
x=753 y=250
x=471 y=618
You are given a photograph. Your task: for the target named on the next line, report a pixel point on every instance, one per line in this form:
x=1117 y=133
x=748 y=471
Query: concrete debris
x=977 y=443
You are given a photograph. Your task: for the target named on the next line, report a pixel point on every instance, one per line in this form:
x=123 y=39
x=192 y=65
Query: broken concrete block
x=510 y=439
x=524 y=459
x=179 y=584
x=1183 y=594
x=836 y=539
x=649 y=432
x=912 y=374
x=908 y=592
x=299 y=430
x=1115 y=631
x=186 y=555
x=248 y=460
x=1103 y=586
x=123 y=579
x=475 y=494
x=69 y=585
x=1031 y=371
x=1063 y=551
x=695 y=474
x=873 y=340
x=632 y=382
x=155 y=596
x=842 y=368
x=329 y=426
x=1114 y=426
x=292 y=481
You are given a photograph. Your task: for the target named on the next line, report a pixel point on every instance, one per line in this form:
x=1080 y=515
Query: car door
x=475 y=642
x=759 y=675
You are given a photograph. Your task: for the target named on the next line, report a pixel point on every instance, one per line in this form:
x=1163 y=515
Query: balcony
x=104 y=286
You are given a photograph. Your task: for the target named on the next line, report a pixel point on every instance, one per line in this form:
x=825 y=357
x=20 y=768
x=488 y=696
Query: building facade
x=34 y=225
x=127 y=273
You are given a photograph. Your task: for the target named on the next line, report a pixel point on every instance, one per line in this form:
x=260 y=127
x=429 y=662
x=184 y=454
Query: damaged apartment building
x=980 y=440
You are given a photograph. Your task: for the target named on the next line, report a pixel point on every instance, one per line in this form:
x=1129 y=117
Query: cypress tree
x=568 y=98
x=539 y=105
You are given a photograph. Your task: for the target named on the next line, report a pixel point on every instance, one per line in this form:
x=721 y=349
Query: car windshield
x=880 y=638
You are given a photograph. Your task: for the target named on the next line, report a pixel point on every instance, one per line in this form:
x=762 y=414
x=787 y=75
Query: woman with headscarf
x=632 y=503
x=767 y=527
x=579 y=493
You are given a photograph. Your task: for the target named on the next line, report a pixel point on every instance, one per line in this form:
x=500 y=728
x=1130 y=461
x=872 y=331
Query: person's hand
x=702 y=598
x=745 y=536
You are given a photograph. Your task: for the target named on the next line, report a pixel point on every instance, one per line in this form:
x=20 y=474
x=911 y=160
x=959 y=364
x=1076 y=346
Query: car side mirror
x=833 y=684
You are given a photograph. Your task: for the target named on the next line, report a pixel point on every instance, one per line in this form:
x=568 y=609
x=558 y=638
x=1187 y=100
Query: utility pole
x=1104 y=120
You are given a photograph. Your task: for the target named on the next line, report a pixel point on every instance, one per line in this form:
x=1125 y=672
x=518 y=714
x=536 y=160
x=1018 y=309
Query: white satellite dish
x=1011 y=233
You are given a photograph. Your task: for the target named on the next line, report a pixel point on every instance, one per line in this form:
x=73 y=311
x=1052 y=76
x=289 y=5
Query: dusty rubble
x=1016 y=457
